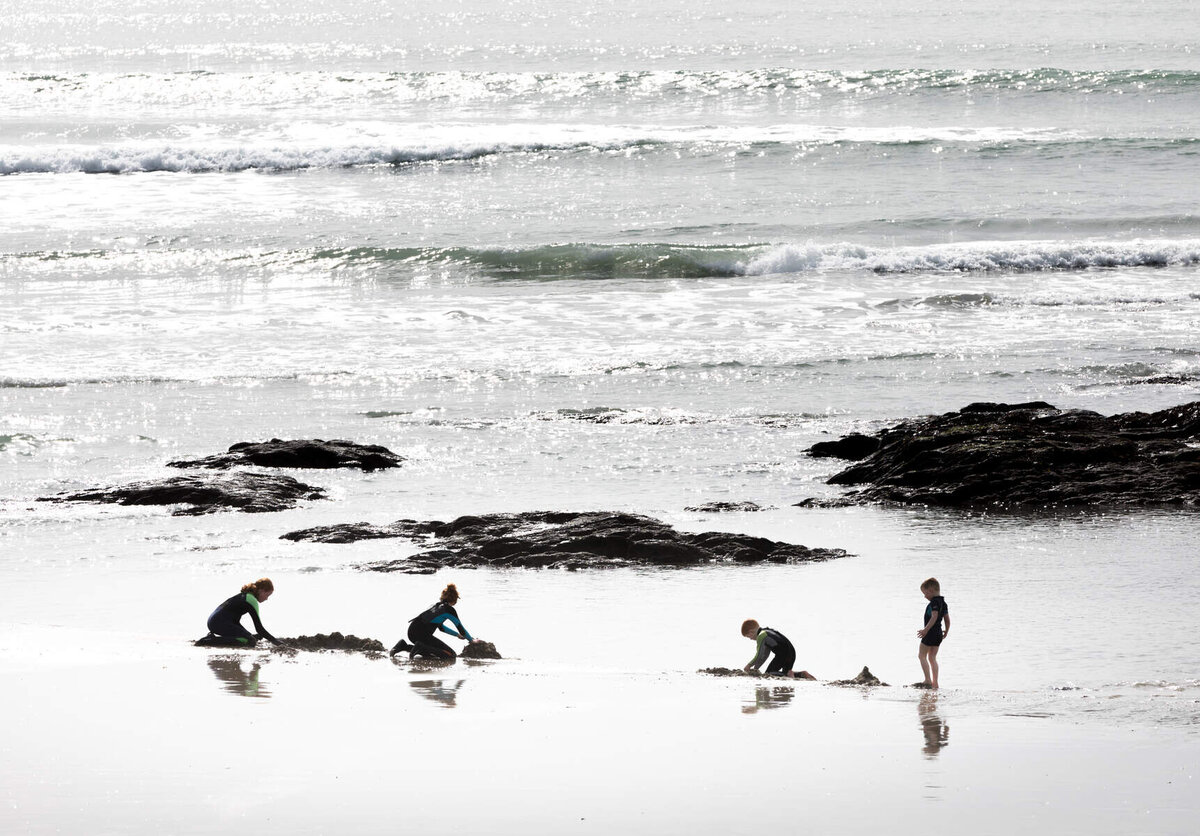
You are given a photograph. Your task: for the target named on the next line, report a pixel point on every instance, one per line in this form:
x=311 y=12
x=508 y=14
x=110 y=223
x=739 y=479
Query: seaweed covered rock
x=562 y=539
x=312 y=453
x=334 y=641
x=480 y=649
x=1034 y=456
x=204 y=494
x=864 y=678
x=721 y=507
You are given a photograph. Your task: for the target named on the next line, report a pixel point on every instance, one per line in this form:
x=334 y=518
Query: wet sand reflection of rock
x=235 y=679
x=765 y=698
x=438 y=690
x=936 y=730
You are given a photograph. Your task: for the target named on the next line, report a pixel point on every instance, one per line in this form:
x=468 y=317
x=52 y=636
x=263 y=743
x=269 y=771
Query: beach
x=597 y=717
x=572 y=257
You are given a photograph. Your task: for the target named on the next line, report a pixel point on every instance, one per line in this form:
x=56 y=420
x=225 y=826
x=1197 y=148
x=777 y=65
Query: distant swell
x=205 y=160
x=199 y=89
x=262 y=154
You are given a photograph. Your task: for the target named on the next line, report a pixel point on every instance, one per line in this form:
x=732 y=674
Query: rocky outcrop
x=311 y=453
x=1034 y=456
x=204 y=494
x=854 y=447
x=562 y=539
x=864 y=678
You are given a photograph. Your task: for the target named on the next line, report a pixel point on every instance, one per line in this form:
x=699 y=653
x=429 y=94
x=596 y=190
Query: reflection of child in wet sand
x=771 y=641
x=932 y=635
x=237 y=681
x=937 y=733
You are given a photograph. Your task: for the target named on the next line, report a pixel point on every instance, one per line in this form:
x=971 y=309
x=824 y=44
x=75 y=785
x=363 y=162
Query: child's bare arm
x=946 y=632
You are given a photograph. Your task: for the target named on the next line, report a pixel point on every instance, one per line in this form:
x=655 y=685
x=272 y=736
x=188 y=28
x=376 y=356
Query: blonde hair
x=932 y=583
x=748 y=625
x=449 y=594
x=260 y=585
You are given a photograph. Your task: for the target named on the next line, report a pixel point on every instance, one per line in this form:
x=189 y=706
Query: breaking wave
x=598 y=261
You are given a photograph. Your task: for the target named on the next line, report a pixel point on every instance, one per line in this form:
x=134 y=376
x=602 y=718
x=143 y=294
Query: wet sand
x=185 y=740
x=142 y=733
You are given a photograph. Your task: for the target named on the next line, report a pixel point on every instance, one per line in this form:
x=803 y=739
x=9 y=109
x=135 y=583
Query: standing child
x=771 y=641
x=932 y=635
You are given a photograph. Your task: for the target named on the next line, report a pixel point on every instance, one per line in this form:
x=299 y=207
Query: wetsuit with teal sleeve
x=226 y=620
x=770 y=641
x=422 y=628
x=937 y=604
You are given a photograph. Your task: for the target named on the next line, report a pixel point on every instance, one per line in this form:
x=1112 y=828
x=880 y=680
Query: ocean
x=590 y=256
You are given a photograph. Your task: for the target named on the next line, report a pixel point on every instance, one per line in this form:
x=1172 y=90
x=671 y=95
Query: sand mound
x=480 y=650
x=334 y=641
x=865 y=677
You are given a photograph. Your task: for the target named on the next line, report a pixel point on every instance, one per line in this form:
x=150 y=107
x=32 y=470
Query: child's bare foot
x=923 y=685
x=804 y=675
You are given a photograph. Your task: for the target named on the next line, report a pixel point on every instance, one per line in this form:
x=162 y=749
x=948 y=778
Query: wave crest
x=597 y=261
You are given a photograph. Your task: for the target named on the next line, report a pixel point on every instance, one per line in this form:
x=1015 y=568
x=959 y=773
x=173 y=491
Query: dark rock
x=313 y=453
x=480 y=650
x=1034 y=456
x=250 y=492
x=1166 y=380
x=717 y=507
x=334 y=641
x=865 y=677
x=564 y=540
x=854 y=447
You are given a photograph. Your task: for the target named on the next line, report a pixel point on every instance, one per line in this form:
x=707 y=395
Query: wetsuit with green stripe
x=226 y=620
x=770 y=641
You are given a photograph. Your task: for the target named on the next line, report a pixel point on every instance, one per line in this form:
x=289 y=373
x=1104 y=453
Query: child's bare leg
x=923 y=655
x=933 y=667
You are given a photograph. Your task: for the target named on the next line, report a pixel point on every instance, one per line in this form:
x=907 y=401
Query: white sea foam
x=975 y=257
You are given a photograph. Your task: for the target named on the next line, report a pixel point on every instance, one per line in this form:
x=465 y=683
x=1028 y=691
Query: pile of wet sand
x=334 y=641
x=865 y=677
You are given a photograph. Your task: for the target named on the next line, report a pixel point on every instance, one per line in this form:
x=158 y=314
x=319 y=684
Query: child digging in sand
x=932 y=635
x=771 y=641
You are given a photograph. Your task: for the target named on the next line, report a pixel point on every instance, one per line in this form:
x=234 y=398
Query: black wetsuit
x=226 y=620
x=935 y=635
x=768 y=640
x=422 y=628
